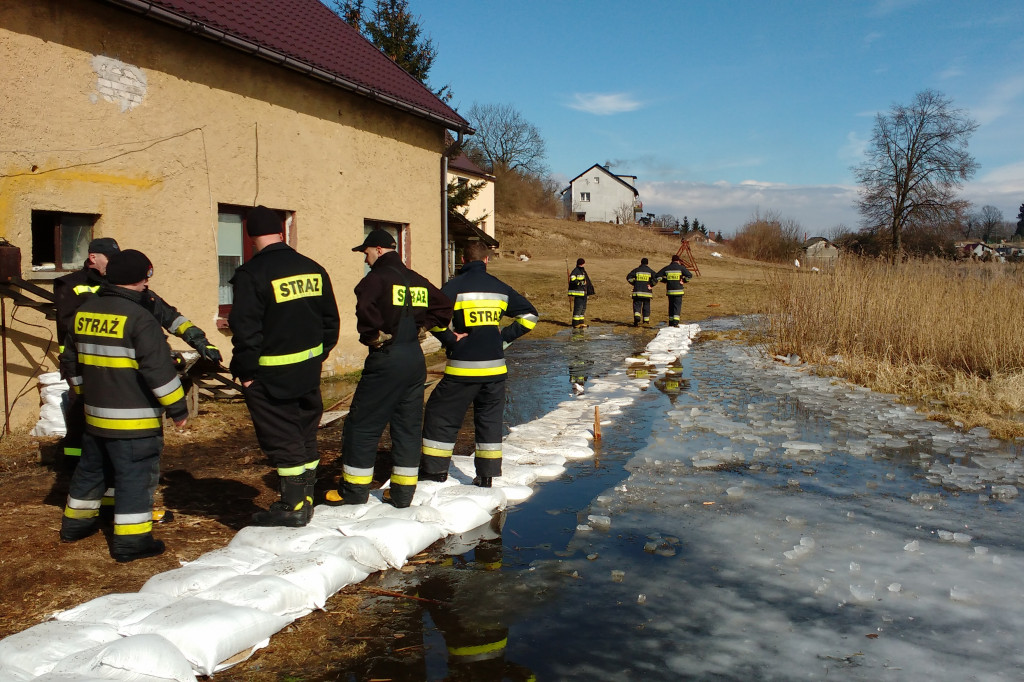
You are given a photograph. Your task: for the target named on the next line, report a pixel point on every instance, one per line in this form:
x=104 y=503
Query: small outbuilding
x=820 y=253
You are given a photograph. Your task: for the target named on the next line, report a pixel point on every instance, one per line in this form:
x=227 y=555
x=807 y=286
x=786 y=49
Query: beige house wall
x=482 y=204
x=207 y=125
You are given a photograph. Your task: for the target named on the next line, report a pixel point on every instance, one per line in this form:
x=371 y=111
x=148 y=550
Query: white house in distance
x=598 y=195
x=462 y=170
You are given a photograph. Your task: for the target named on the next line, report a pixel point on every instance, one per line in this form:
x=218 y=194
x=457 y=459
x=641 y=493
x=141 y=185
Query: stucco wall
x=152 y=129
x=607 y=195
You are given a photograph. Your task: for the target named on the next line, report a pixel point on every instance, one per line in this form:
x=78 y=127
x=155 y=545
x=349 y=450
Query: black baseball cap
x=377 y=237
x=105 y=245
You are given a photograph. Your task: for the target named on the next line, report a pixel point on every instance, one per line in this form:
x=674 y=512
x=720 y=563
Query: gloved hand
x=195 y=337
x=382 y=338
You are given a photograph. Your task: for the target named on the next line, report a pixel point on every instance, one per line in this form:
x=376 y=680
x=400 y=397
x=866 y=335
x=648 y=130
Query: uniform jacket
x=381 y=300
x=643 y=279
x=579 y=282
x=284 y=321
x=118 y=358
x=71 y=291
x=481 y=300
x=674 y=275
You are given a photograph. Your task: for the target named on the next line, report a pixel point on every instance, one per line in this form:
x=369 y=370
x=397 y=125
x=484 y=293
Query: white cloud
x=853 y=151
x=603 y=104
x=1002 y=187
x=1002 y=99
x=726 y=206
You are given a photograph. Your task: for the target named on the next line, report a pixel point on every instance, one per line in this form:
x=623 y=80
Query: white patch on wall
x=118 y=82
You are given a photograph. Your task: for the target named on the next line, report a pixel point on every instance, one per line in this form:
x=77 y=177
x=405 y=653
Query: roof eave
x=147 y=8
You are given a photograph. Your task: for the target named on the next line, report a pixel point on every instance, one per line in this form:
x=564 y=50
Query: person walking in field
x=674 y=275
x=580 y=287
x=642 y=278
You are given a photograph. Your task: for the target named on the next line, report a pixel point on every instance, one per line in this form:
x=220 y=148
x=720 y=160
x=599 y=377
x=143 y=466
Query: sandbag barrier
x=217 y=610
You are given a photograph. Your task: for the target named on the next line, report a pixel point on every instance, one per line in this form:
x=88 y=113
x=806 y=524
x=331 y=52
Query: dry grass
x=950 y=336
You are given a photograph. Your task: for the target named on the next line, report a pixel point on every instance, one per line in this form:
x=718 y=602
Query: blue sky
x=723 y=108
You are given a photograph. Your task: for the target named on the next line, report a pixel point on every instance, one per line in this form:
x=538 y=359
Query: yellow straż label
x=296 y=286
x=99 y=324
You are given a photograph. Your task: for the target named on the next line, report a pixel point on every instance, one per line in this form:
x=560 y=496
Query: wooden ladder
x=686 y=256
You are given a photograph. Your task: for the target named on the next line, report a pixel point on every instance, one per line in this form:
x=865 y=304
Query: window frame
x=46 y=219
x=288 y=217
x=584 y=196
x=400 y=231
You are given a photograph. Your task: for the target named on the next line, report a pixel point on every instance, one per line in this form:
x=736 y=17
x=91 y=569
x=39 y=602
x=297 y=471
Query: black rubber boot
x=440 y=478
x=309 y=485
x=290 y=510
x=138 y=547
x=73 y=530
x=482 y=481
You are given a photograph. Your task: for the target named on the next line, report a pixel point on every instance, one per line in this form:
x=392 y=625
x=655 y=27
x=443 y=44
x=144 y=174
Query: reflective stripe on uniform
x=75 y=503
x=481 y=368
x=123 y=424
x=478 y=299
x=104 y=361
x=677 y=292
x=73 y=513
x=404 y=475
x=292 y=358
x=438 y=329
x=169 y=393
x=297 y=470
x=488 y=447
x=577 y=293
x=133 y=528
x=180 y=325
x=85 y=289
x=72 y=452
x=436 y=448
x=133 y=519
x=528 y=320
x=122 y=412
x=641 y=294
x=357 y=476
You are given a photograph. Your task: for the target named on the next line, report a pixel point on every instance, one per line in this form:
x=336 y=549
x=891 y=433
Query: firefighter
x=580 y=287
x=674 y=275
x=392 y=302
x=642 y=279
x=284 y=323
x=475 y=371
x=119 y=362
x=70 y=291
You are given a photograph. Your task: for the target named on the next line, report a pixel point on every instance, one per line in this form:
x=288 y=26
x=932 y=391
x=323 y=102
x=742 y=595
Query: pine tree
x=1020 y=223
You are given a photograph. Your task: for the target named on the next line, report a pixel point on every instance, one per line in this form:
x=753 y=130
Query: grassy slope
x=726 y=286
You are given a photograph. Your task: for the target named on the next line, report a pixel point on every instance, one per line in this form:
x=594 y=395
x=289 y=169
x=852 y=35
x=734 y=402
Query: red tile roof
x=306 y=36
x=464 y=164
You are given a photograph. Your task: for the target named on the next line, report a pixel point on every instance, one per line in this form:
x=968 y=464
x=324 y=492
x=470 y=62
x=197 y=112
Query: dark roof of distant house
x=465 y=164
x=306 y=36
x=466 y=230
x=618 y=178
x=814 y=240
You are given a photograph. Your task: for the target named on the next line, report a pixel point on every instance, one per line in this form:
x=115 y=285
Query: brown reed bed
x=946 y=336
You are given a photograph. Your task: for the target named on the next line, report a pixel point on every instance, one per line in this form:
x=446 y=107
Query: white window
x=584 y=196
x=60 y=241
x=400 y=231
x=235 y=248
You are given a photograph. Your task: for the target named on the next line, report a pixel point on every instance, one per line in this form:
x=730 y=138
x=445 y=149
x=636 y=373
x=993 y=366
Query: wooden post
x=597 y=423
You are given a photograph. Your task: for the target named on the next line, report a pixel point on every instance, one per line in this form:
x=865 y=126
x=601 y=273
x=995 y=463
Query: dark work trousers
x=675 y=309
x=641 y=309
x=390 y=390
x=285 y=428
x=136 y=467
x=579 y=310
x=446 y=408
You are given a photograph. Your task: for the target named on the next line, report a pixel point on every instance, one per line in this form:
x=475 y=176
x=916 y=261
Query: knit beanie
x=579 y=262
x=128 y=267
x=261 y=220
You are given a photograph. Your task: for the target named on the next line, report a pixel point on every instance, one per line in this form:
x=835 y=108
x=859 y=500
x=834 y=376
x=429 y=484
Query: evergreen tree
x=686 y=224
x=1020 y=223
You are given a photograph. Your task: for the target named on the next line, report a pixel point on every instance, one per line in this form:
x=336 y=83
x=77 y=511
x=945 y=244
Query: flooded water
x=741 y=520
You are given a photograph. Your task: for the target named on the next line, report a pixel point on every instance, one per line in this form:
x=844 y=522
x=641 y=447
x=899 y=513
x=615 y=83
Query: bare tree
x=625 y=214
x=916 y=161
x=991 y=219
x=505 y=140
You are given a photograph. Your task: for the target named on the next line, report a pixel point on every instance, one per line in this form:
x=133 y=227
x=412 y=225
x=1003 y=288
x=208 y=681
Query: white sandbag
x=181 y=582
x=460 y=543
x=326 y=516
x=242 y=559
x=318 y=573
x=513 y=493
x=396 y=539
x=71 y=677
x=462 y=514
x=357 y=549
x=491 y=500
x=425 y=491
x=420 y=513
x=264 y=592
x=278 y=539
x=51 y=421
x=9 y=674
x=513 y=474
x=36 y=650
x=212 y=635
x=136 y=658
x=116 y=610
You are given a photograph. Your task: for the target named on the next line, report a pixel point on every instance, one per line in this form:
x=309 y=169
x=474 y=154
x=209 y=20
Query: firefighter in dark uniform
x=674 y=275
x=475 y=372
x=642 y=279
x=119 y=362
x=71 y=291
x=392 y=302
x=284 y=323
x=580 y=287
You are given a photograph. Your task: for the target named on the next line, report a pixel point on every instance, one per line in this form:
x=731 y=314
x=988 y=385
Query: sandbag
x=357 y=549
x=36 y=650
x=326 y=516
x=491 y=500
x=242 y=559
x=421 y=513
x=395 y=539
x=116 y=610
x=181 y=582
x=319 y=573
x=462 y=514
x=140 y=657
x=264 y=592
x=212 y=635
x=279 y=540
